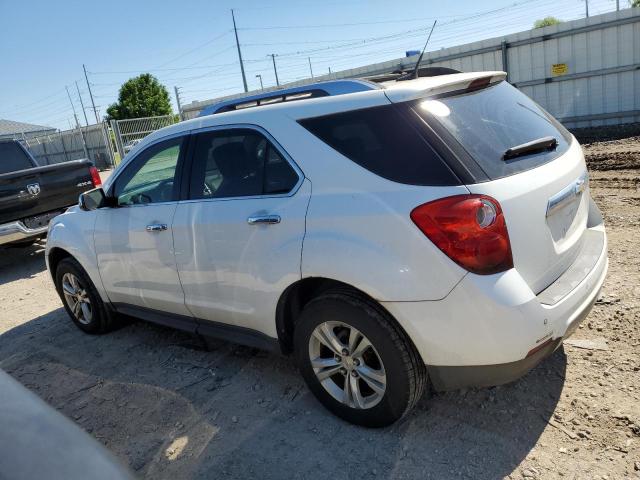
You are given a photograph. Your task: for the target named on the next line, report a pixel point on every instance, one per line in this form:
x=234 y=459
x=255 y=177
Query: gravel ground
x=170 y=408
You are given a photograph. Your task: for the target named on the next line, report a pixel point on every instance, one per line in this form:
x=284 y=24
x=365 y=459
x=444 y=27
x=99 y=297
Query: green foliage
x=546 y=21
x=142 y=96
x=634 y=3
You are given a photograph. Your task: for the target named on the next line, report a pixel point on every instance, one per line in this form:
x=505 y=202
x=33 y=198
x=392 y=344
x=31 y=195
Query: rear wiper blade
x=539 y=145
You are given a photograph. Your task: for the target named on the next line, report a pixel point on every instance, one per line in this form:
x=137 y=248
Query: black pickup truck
x=31 y=195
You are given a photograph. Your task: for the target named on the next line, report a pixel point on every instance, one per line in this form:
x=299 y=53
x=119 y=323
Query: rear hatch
x=521 y=156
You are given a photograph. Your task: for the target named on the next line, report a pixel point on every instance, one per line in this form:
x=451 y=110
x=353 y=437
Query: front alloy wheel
x=77 y=298
x=347 y=365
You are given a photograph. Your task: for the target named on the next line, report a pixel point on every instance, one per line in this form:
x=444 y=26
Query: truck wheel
x=81 y=299
x=356 y=359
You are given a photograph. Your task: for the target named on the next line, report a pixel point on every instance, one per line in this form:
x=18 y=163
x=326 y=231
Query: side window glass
x=238 y=163
x=151 y=176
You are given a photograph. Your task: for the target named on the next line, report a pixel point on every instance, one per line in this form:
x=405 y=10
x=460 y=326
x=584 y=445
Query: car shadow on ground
x=17 y=262
x=170 y=408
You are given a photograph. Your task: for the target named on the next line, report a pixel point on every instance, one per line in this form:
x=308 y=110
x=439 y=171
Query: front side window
x=150 y=178
x=238 y=163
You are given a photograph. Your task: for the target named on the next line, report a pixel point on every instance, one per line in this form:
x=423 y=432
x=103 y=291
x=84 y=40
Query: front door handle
x=157 y=227
x=263 y=219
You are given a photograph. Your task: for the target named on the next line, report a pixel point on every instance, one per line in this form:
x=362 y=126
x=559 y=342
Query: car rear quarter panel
x=359 y=231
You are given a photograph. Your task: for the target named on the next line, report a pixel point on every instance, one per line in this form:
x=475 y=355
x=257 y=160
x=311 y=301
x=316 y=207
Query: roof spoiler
x=429 y=87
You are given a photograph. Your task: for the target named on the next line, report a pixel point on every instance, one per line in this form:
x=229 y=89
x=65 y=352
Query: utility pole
x=275 y=70
x=310 y=69
x=235 y=30
x=586 y=6
x=617 y=5
x=175 y=89
x=86 y=122
x=260 y=77
x=84 y=144
x=93 y=104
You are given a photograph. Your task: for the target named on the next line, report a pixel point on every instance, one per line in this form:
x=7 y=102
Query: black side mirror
x=94 y=199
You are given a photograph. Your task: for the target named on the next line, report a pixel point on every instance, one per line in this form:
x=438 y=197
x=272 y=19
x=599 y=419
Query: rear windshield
x=490 y=121
x=12 y=158
x=382 y=140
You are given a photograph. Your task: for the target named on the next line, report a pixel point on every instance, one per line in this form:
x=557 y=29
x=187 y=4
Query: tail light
x=469 y=229
x=95 y=176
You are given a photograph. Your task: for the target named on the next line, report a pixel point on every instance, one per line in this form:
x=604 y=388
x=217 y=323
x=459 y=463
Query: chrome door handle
x=263 y=219
x=157 y=227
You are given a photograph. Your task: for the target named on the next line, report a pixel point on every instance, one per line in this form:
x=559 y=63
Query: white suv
x=436 y=231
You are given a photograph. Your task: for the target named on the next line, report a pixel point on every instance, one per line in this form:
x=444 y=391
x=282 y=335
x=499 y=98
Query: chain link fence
x=90 y=142
x=127 y=133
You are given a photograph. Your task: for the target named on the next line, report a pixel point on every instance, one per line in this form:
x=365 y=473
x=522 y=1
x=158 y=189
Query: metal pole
x=178 y=101
x=505 y=58
x=586 y=6
x=260 y=77
x=86 y=122
x=275 y=70
x=235 y=30
x=95 y=111
x=84 y=144
x=329 y=72
x=617 y=5
x=310 y=69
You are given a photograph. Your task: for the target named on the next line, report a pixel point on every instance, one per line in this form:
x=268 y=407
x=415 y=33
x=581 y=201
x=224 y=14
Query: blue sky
x=190 y=43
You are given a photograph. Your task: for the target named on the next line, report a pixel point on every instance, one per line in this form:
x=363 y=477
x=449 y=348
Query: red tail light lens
x=469 y=229
x=95 y=176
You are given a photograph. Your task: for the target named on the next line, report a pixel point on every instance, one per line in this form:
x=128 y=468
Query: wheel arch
x=301 y=292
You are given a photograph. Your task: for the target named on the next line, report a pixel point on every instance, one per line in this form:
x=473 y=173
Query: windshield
x=12 y=158
x=489 y=122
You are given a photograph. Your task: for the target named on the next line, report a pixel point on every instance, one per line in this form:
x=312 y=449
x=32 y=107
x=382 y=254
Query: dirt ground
x=168 y=408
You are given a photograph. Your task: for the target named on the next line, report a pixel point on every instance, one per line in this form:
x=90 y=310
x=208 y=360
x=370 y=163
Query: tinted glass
x=488 y=122
x=383 y=141
x=12 y=158
x=151 y=176
x=238 y=163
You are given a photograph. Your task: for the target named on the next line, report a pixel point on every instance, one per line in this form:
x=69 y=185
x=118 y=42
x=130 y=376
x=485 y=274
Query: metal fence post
x=505 y=58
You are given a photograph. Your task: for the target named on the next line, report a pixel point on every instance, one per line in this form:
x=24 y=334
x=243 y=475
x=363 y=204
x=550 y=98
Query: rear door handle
x=157 y=227
x=263 y=219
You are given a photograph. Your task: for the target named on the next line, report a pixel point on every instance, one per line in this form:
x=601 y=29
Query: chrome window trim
x=274 y=142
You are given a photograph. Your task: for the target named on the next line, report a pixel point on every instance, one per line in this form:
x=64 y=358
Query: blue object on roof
x=411 y=53
x=313 y=90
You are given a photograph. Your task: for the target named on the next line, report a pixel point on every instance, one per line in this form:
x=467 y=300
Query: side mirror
x=94 y=199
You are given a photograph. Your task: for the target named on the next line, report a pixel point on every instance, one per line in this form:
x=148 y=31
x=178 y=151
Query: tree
x=546 y=21
x=635 y=3
x=142 y=96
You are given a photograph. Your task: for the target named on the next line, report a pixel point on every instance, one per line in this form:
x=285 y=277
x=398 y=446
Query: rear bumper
x=482 y=333
x=17 y=231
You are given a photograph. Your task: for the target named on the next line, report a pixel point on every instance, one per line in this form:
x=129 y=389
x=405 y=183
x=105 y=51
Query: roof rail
x=313 y=90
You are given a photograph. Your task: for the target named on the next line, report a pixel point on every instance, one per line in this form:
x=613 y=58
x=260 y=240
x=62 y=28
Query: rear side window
x=13 y=158
x=238 y=163
x=490 y=121
x=382 y=140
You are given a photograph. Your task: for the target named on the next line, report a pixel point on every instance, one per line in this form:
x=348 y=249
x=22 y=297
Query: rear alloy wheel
x=81 y=299
x=347 y=365
x=356 y=359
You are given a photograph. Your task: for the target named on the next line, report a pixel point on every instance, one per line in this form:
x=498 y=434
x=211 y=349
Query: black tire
x=102 y=319
x=406 y=375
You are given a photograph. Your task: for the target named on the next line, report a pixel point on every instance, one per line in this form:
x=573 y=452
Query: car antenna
x=415 y=70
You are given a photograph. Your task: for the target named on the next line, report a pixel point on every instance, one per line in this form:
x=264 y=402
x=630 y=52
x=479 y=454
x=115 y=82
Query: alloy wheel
x=77 y=298
x=347 y=365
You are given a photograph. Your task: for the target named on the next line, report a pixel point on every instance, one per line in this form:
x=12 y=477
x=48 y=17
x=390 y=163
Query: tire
x=389 y=377
x=100 y=320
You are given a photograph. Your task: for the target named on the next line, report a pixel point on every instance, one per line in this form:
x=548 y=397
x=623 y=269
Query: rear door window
x=238 y=163
x=382 y=140
x=13 y=158
x=490 y=121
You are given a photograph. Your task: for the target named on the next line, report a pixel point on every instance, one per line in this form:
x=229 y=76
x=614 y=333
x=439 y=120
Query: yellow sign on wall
x=559 y=69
